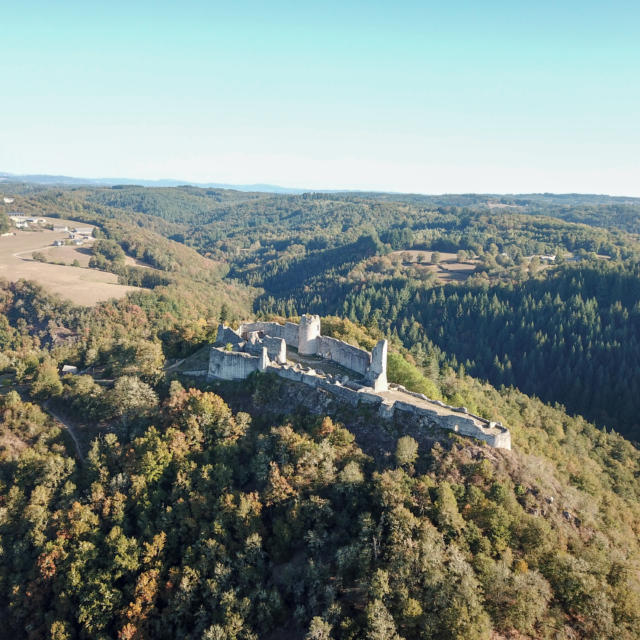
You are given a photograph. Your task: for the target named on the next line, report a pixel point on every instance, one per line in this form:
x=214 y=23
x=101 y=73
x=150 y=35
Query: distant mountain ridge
x=461 y=199
x=46 y=179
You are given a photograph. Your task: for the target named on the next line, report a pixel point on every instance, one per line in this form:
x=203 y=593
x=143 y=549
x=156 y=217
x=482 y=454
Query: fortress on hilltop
x=300 y=353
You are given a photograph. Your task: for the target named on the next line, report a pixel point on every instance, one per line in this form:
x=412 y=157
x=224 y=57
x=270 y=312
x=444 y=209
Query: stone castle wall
x=307 y=339
x=289 y=331
x=260 y=346
x=226 y=335
x=458 y=420
x=276 y=348
x=348 y=356
x=231 y=365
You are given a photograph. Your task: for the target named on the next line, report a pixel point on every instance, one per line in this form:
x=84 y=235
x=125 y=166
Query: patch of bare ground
x=68 y=254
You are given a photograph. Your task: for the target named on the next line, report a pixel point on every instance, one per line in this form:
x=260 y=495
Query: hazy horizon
x=168 y=182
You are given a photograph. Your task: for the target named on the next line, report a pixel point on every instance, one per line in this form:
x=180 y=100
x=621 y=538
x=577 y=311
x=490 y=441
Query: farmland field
x=78 y=284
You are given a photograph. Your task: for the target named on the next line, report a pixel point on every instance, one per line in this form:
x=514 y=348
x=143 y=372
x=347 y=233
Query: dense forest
x=182 y=517
x=135 y=503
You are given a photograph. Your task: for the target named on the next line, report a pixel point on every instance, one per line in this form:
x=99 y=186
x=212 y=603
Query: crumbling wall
x=404 y=412
x=226 y=335
x=348 y=356
x=503 y=439
x=495 y=435
x=270 y=328
x=344 y=394
x=276 y=347
x=231 y=365
x=288 y=331
x=373 y=366
x=291 y=332
x=377 y=374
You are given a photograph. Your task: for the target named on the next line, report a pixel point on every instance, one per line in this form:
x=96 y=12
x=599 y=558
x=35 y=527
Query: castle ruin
x=300 y=353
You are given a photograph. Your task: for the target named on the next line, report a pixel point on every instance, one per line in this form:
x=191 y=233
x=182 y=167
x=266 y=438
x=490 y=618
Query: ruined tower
x=308 y=335
x=264 y=360
x=377 y=375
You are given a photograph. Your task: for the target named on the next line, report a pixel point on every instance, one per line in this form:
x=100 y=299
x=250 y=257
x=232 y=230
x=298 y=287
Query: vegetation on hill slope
x=210 y=525
x=563 y=330
x=570 y=337
x=186 y=520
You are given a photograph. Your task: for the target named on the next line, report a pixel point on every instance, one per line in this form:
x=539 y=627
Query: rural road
x=21 y=253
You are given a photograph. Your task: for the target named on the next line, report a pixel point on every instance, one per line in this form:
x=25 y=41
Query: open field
x=80 y=285
x=448 y=268
x=69 y=253
x=413 y=255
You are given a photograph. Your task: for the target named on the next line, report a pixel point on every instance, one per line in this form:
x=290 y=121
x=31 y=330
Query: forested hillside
x=540 y=292
x=572 y=337
x=180 y=517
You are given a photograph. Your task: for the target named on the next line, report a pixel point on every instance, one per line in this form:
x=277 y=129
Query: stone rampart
x=231 y=365
x=464 y=424
x=261 y=346
x=226 y=335
x=286 y=372
x=344 y=394
x=353 y=358
x=291 y=331
x=270 y=328
x=502 y=440
x=307 y=339
x=369 y=398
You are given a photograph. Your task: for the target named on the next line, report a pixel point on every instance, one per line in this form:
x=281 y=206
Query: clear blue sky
x=404 y=96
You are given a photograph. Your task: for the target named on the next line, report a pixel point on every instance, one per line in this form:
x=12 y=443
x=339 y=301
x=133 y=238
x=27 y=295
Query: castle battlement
x=354 y=376
x=307 y=340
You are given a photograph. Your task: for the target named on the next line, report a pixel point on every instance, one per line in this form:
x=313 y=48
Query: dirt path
x=68 y=426
x=30 y=251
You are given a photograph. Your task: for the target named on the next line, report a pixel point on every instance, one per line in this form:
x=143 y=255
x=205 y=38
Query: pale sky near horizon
x=425 y=97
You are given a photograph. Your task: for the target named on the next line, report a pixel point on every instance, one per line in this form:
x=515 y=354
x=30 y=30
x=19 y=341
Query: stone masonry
x=263 y=346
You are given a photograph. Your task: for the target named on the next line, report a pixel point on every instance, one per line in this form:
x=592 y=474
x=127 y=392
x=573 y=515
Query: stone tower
x=377 y=375
x=264 y=360
x=308 y=335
